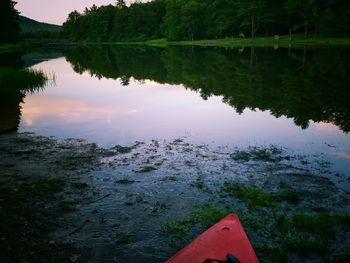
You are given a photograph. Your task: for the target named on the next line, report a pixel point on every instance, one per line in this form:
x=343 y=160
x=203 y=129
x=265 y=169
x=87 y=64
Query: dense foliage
x=9 y=22
x=34 y=29
x=138 y=22
x=200 y=19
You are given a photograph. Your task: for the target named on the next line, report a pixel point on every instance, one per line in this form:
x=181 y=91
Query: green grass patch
x=304 y=243
x=205 y=216
x=253 y=196
x=297 y=41
x=208 y=215
x=308 y=233
x=282 y=41
x=299 y=234
x=274 y=253
x=178 y=229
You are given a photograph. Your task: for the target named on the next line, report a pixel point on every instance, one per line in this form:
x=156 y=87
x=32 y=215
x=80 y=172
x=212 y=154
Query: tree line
x=208 y=19
x=9 y=22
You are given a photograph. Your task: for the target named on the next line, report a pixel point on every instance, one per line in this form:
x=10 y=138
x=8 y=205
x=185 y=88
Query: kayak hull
x=225 y=237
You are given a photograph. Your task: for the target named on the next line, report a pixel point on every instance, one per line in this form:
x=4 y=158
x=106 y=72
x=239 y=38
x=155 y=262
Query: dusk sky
x=56 y=11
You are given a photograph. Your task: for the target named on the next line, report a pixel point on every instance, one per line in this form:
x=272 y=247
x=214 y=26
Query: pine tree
x=9 y=22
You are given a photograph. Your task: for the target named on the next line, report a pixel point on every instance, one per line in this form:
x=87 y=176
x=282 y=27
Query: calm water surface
x=297 y=99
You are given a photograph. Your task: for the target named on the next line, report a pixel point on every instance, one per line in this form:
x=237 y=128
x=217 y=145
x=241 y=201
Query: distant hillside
x=34 y=29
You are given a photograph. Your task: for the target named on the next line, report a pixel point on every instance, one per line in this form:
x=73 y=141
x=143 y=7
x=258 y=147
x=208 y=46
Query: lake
x=184 y=136
x=298 y=99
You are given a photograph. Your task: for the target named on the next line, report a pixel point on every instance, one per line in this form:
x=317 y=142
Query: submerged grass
x=146 y=169
x=125 y=180
x=206 y=215
x=253 y=196
x=299 y=233
x=256 y=197
x=310 y=233
x=269 y=154
x=122 y=238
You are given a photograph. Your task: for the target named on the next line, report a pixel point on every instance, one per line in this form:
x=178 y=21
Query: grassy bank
x=10 y=47
x=283 y=41
x=273 y=41
x=27 y=44
x=26 y=79
x=280 y=41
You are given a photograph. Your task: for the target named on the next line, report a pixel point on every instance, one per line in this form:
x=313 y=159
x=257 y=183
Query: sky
x=56 y=11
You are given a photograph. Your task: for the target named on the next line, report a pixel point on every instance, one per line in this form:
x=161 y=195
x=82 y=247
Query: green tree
x=204 y=19
x=120 y=4
x=9 y=22
x=193 y=17
x=252 y=13
x=223 y=18
x=307 y=10
x=172 y=27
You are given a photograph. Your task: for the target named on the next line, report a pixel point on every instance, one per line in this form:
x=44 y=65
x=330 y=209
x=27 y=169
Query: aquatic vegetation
x=292 y=197
x=207 y=215
x=122 y=149
x=169 y=178
x=122 y=238
x=199 y=183
x=270 y=154
x=253 y=196
x=310 y=233
x=301 y=233
x=79 y=185
x=24 y=79
x=177 y=229
x=146 y=169
x=125 y=180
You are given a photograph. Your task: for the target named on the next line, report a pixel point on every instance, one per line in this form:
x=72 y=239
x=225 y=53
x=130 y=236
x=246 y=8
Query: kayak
x=225 y=242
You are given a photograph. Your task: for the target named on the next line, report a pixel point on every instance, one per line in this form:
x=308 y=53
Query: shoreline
x=281 y=41
x=123 y=202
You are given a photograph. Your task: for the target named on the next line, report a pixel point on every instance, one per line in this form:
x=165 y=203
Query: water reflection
x=306 y=85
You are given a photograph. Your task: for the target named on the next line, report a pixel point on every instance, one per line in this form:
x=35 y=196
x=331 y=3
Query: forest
x=207 y=19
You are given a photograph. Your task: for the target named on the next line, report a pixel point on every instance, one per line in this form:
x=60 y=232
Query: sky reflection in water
x=104 y=111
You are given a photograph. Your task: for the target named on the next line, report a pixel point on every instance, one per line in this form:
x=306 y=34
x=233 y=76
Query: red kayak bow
x=225 y=242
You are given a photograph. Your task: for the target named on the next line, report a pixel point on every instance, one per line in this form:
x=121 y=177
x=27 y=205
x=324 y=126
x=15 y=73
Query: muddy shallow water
x=118 y=95
x=143 y=203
